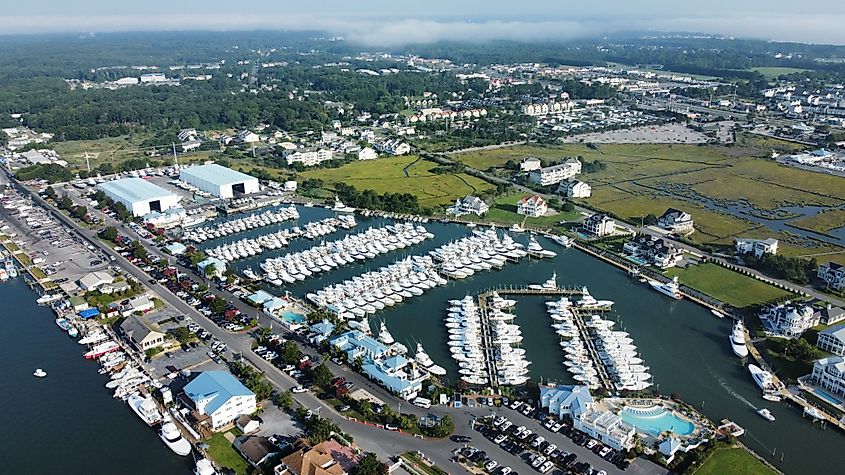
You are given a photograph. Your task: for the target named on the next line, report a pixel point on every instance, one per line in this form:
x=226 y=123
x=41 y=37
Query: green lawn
x=822 y=222
x=726 y=285
x=387 y=175
x=788 y=368
x=503 y=212
x=735 y=461
x=223 y=454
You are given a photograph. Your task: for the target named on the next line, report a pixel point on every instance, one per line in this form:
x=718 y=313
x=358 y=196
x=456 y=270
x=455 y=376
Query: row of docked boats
x=463 y=322
x=421 y=358
x=618 y=355
x=483 y=250
x=248 y=247
x=253 y=221
x=373 y=291
x=300 y=266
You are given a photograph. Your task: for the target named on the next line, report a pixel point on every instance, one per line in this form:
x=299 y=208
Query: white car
x=546 y=467
x=491 y=465
x=298 y=389
x=551 y=448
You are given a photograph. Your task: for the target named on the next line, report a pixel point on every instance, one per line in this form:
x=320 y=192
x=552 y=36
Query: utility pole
x=175 y=158
x=87 y=162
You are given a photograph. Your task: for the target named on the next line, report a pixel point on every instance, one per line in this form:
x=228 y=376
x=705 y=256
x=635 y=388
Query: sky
x=396 y=22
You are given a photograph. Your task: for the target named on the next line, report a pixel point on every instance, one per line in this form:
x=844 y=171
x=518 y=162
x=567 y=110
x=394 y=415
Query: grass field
x=113 y=150
x=733 y=461
x=728 y=286
x=774 y=72
x=823 y=222
x=387 y=176
x=787 y=367
x=224 y=454
x=503 y=212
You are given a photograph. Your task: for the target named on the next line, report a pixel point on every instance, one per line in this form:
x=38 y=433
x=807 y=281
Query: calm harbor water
x=67 y=422
x=684 y=344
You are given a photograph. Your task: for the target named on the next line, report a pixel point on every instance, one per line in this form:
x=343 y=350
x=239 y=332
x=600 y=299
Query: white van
x=422 y=402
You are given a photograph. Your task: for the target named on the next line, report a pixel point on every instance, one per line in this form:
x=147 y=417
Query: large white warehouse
x=139 y=196
x=219 y=181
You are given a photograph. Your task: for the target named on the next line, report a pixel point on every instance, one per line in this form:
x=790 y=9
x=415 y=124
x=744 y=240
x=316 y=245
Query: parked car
x=298 y=389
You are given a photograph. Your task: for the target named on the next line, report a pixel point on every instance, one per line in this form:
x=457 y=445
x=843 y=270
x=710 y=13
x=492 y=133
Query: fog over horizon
x=386 y=23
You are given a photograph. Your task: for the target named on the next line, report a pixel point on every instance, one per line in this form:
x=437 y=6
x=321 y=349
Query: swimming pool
x=656 y=420
x=292 y=317
x=827 y=397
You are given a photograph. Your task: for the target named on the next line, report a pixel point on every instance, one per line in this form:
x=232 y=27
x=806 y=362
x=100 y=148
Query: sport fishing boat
x=101 y=349
x=738 y=340
x=671 y=288
x=145 y=408
x=550 y=284
x=534 y=249
x=171 y=436
x=766 y=414
x=384 y=336
x=562 y=240
x=426 y=362
x=588 y=301
x=339 y=207
x=204 y=467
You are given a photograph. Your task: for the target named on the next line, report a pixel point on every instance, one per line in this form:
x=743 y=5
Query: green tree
x=182 y=335
x=284 y=400
x=291 y=353
x=568 y=207
x=109 y=234
x=322 y=376
x=369 y=464
x=210 y=270
x=217 y=306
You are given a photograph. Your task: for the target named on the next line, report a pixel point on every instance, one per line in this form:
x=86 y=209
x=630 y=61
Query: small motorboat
x=39 y=373
x=766 y=414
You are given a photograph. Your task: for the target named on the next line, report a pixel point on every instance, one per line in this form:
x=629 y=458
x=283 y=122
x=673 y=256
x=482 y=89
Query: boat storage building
x=219 y=181
x=139 y=196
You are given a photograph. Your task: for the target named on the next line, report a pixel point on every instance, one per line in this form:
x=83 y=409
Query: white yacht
x=763 y=378
x=550 y=284
x=204 y=467
x=516 y=228
x=587 y=301
x=534 y=249
x=766 y=414
x=738 y=340
x=384 y=336
x=171 y=436
x=426 y=362
x=671 y=288
x=146 y=408
x=562 y=240
x=339 y=207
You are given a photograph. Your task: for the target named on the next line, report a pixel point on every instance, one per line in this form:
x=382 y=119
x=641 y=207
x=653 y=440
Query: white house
x=653 y=250
x=532 y=206
x=393 y=147
x=832 y=274
x=832 y=340
x=248 y=136
x=556 y=173
x=470 y=204
x=308 y=157
x=367 y=153
x=598 y=225
x=221 y=397
x=676 y=221
x=829 y=374
x=575 y=189
x=290 y=185
x=789 y=319
x=758 y=247
x=564 y=400
x=530 y=163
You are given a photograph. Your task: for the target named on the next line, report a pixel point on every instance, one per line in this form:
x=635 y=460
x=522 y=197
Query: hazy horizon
x=390 y=23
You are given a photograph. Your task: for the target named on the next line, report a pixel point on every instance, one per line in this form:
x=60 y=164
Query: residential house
x=247 y=424
x=556 y=173
x=367 y=153
x=758 y=247
x=832 y=340
x=829 y=315
x=94 y=280
x=829 y=374
x=190 y=145
x=470 y=205
x=308 y=156
x=653 y=250
x=290 y=186
x=247 y=136
x=532 y=206
x=789 y=319
x=256 y=449
x=676 y=221
x=566 y=400
x=141 y=304
x=325 y=458
x=141 y=334
x=575 y=189
x=598 y=225
x=77 y=303
x=115 y=287
x=220 y=397
x=530 y=163
x=393 y=147
x=832 y=274
x=185 y=135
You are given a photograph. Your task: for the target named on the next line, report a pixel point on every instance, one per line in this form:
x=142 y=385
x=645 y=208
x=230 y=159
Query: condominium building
x=308 y=157
x=829 y=374
x=556 y=173
x=532 y=206
x=832 y=340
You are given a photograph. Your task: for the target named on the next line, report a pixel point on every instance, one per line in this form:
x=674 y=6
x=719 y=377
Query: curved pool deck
x=656 y=420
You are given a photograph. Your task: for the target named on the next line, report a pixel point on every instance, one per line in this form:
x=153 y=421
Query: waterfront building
x=830 y=315
x=758 y=247
x=566 y=400
x=607 y=428
x=832 y=274
x=832 y=340
x=139 y=196
x=397 y=374
x=141 y=334
x=141 y=303
x=676 y=221
x=575 y=189
x=789 y=319
x=470 y=205
x=308 y=156
x=94 y=280
x=530 y=163
x=653 y=250
x=556 y=173
x=219 y=266
x=256 y=449
x=220 y=181
x=829 y=374
x=168 y=219
x=220 y=397
x=354 y=343
x=532 y=206
x=325 y=458
x=598 y=225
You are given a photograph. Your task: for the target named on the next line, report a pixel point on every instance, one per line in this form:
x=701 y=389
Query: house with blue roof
x=355 y=343
x=320 y=331
x=220 y=397
x=219 y=266
x=393 y=372
x=566 y=400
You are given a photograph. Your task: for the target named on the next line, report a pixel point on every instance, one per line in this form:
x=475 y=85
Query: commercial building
x=577 y=403
x=758 y=247
x=556 y=173
x=832 y=274
x=832 y=340
x=653 y=250
x=532 y=206
x=566 y=400
x=139 y=196
x=94 y=280
x=829 y=374
x=219 y=181
x=219 y=396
